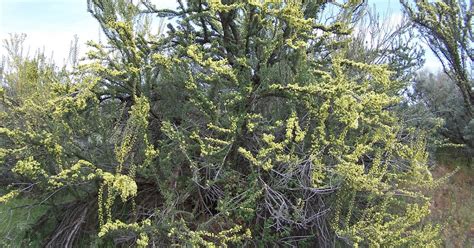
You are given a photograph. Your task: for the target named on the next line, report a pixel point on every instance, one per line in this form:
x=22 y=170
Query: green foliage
x=17 y=218
x=244 y=125
x=438 y=96
x=447 y=27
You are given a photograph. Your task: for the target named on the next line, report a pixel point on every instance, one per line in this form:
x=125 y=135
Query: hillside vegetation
x=243 y=123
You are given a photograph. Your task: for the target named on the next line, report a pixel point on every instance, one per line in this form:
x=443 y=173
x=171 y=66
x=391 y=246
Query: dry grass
x=453 y=206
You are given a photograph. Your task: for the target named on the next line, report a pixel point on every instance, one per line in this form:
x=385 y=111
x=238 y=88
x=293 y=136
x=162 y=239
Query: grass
x=453 y=205
x=455 y=156
x=16 y=217
x=19 y=214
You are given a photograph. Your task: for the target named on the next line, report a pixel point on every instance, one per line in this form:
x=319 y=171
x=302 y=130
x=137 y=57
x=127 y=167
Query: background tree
x=440 y=96
x=446 y=27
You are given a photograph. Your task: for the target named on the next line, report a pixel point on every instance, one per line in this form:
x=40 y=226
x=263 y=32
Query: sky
x=50 y=25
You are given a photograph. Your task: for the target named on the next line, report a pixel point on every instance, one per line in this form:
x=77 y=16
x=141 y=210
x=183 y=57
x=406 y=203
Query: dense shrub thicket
x=249 y=123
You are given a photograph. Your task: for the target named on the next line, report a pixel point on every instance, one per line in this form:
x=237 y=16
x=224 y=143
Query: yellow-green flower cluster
x=10 y=195
x=224 y=238
x=30 y=168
